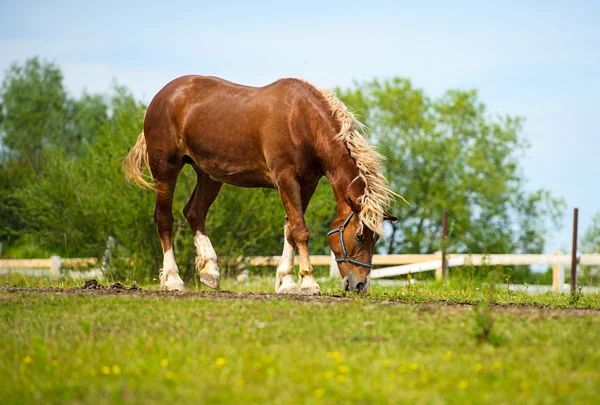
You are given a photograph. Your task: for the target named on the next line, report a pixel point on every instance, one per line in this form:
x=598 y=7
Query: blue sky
x=540 y=60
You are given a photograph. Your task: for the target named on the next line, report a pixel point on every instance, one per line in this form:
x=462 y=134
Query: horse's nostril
x=360 y=286
x=346 y=284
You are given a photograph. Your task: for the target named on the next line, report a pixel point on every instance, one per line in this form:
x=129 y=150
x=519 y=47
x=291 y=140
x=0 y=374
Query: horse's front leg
x=297 y=234
x=284 y=280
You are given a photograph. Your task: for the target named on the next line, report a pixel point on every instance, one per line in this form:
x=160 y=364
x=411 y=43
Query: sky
x=538 y=60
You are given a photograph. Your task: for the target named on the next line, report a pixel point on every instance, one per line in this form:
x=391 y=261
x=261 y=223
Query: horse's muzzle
x=352 y=285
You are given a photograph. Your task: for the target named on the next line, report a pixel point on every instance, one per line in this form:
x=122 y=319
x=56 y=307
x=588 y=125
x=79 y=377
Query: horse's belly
x=236 y=166
x=248 y=178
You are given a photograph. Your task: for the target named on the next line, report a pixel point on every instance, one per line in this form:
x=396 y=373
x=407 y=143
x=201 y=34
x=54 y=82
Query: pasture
x=423 y=343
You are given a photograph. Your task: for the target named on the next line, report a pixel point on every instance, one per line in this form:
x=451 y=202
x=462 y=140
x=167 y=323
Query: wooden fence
x=394 y=265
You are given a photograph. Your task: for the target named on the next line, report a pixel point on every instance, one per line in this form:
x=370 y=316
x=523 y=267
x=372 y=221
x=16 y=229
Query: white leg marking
x=169 y=275
x=206 y=261
x=284 y=280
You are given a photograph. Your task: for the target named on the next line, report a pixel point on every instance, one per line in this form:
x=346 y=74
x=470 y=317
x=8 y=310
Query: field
x=426 y=343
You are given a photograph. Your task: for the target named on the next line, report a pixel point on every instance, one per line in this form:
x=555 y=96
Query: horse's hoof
x=175 y=285
x=288 y=288
x=308 y=286
x=210 y=280
x=310 y=290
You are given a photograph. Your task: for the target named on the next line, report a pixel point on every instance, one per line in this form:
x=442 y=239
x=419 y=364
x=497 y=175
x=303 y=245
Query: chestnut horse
x=286 y=136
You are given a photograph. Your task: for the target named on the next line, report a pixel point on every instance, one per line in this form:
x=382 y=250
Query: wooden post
x=54 y=266
x=333 y=267
x=558 y=275
x=439 y=272
x=574 y=253
x=444 y=237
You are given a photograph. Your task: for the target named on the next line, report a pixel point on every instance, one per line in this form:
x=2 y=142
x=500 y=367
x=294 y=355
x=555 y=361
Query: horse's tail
x=136 y=162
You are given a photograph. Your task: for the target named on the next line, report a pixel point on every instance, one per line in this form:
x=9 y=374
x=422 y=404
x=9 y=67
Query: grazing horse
x=286 y=136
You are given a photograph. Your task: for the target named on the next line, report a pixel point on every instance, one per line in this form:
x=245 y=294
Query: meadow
x=425 y=343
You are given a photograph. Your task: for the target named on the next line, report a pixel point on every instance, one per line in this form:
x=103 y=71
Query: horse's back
x=231 y=131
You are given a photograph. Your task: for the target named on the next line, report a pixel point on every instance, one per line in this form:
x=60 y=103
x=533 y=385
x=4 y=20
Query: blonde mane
x=377 y=194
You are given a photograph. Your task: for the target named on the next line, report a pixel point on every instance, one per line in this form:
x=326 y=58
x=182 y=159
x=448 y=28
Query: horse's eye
x=359 y=237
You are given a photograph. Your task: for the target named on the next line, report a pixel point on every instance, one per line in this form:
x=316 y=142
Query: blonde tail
x=136 y=162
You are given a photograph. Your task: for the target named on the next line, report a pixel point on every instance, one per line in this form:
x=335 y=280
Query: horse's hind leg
x=195 y=211
x=165 y=172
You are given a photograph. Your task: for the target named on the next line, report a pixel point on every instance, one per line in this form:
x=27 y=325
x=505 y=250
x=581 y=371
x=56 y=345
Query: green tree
x=39 y=123
x=34 y=111
x=591 y=237
x=450 y=154
x=590 y=275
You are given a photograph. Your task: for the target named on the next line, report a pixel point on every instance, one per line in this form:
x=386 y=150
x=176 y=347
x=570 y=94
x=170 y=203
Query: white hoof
x=288 y=286
x=210 y=275
x=174 y=284
x=309 y=286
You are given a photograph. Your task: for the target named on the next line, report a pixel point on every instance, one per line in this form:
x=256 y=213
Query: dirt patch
x=94 y=288
x=93 y=284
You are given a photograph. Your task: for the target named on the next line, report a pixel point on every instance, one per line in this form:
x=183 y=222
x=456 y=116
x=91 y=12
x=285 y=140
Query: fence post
x=574 y=253
x=439 y=272
x=333 y=267
x=444 y=237
x=558 y=275
x=54 y=266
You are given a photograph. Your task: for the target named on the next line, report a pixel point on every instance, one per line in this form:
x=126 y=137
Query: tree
x=591 y=238
x=39 y=123
x=449 y=154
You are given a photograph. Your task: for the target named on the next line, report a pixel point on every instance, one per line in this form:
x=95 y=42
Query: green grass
x=139 y=349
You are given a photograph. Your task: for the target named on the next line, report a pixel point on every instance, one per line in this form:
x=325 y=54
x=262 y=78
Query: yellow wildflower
x=478 y=367
x=116 y=370
x=220 y=362
x=341 y=378
x=414 y=366
x=169 y=375
x=497 y=365
x=329 y=375
x=27 y=360
x=164 y=363
x=319 y=393
x=448 y=356
x=240 y=383
x=105 y=370
x=343 y=369
x=385 y=362
x=463 y=384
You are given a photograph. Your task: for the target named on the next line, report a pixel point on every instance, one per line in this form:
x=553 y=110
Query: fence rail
x=397 y=264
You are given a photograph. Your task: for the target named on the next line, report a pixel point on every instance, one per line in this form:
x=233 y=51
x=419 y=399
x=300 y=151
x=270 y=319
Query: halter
x=346 y=258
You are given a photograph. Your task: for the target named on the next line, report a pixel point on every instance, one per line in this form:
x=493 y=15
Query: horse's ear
x=389 y=217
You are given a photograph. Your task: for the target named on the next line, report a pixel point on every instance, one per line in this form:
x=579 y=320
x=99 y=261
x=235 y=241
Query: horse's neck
x=342 y=176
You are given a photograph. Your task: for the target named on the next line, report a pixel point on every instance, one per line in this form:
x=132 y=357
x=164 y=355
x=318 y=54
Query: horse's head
x=353 y=244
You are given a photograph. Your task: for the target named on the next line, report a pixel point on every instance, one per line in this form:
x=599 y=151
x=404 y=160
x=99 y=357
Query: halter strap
x=346 y=257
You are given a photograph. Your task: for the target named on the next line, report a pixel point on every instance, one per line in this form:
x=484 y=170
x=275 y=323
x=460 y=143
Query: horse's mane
x=377 y=194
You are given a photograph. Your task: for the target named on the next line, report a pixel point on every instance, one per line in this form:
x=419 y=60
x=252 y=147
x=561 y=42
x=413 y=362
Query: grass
x=199 y=349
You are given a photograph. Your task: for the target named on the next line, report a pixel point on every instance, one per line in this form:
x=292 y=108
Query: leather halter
x=346 y=257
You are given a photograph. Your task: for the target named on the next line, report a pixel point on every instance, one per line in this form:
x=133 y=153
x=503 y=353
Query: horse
x=285 y=136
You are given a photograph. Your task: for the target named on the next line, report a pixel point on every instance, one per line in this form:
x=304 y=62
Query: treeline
x=62 y=190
